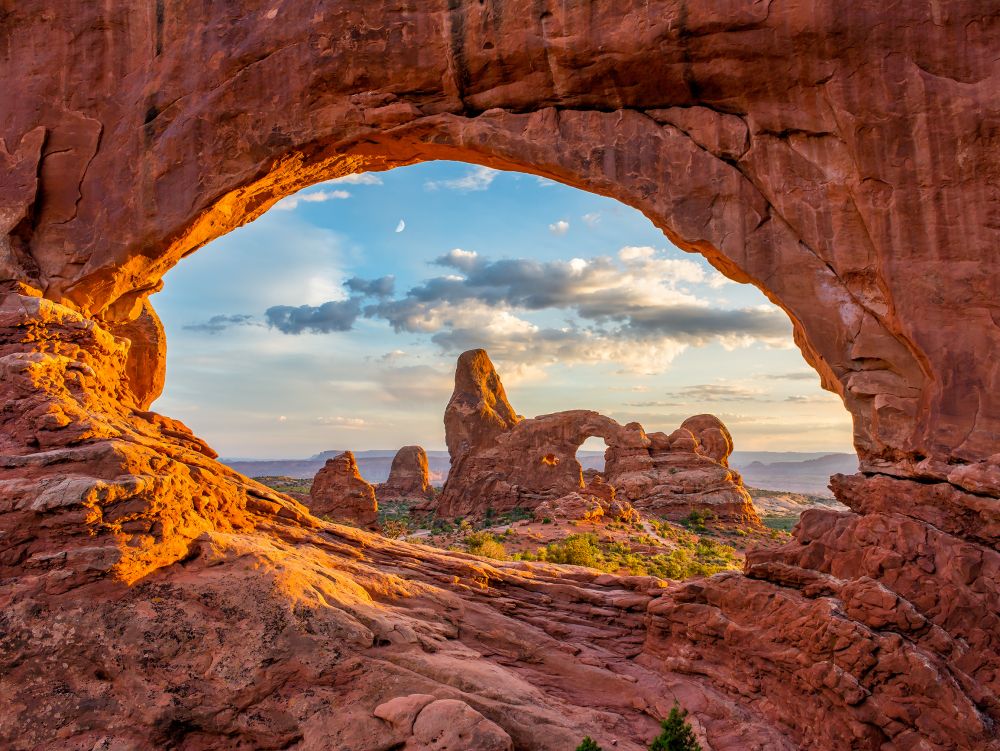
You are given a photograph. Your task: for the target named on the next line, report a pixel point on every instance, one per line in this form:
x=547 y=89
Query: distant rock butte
x=409 y=477
x=340 y=492
x=501 y=461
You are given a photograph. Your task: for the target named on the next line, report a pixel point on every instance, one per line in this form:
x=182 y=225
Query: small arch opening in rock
x=591 y=455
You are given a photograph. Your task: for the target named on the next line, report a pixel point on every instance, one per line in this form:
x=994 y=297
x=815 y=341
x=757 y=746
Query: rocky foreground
x=153 y=596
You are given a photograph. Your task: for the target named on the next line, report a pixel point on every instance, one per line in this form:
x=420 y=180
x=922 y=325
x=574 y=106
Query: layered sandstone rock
x=505 y=464
x=340 y=492
x=409 y=478
x=574 y=506
x=423 y=723
x=684 y=472
x=841 y=157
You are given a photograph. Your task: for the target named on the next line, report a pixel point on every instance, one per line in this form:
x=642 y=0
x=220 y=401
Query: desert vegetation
x=676 y=735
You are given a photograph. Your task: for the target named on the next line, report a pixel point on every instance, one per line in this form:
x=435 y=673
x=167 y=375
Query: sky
x=334 y=321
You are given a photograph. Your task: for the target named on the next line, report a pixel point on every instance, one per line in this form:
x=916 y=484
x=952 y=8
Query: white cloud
x=592 y=219
x=415 y=384
x=463 y=260
x=359 y=178
x=392 y=357
x=631 y=310
x=636 y=253
x=559 y=228
x=717 y=280
x=291 y=203
x=401 y=226
x=478 y=178
x=351 y=423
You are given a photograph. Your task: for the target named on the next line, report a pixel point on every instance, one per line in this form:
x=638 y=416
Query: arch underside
x=843 y=166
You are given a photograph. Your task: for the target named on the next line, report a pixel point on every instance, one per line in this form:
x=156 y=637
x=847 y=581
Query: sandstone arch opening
x=606 y=265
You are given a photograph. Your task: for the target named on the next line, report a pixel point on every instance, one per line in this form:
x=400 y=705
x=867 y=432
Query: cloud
x=720 y=392
x=392 y=357
x=559 y=228
x=463 y=260
x=415 y=384
x=351 y=423
x=635 y=310
x=359 y=178
x=478 y=178
x=290 y=203
x=797 y=375
x=639 y=294
x=400 y=227
x=654 y=403
x=708 y=392
x=217 y=324
x=384 y=286
x=592 y=219
x=734 y=328
x=336 y=315
x=515 y=342
x=823 y=398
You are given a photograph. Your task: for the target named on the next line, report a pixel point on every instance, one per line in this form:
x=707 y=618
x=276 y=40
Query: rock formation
x=409 y=478
x=685 y=471
x=516 y=462
x=422 y=722
x=842 y=157
x=340 y=492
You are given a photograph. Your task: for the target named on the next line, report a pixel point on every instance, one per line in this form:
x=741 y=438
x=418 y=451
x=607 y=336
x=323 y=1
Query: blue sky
x=334 y=320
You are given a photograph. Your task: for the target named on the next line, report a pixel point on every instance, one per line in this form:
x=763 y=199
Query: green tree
x=677 y=733
x=589 y=744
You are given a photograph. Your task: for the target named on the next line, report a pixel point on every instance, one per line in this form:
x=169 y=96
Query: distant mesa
x=340 y=493
x=501 y=461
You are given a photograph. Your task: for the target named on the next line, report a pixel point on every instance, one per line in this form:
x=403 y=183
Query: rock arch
x=841 y=159
x=183 y=133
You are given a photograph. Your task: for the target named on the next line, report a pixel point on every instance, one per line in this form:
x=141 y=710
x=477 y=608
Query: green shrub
x=677 y=733
x=696 y=520
x=486 y=545
x=575 y=550
x=589 y=744
x=781 y=523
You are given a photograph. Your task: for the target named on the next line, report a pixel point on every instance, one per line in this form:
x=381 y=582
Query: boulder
x=573 y=506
